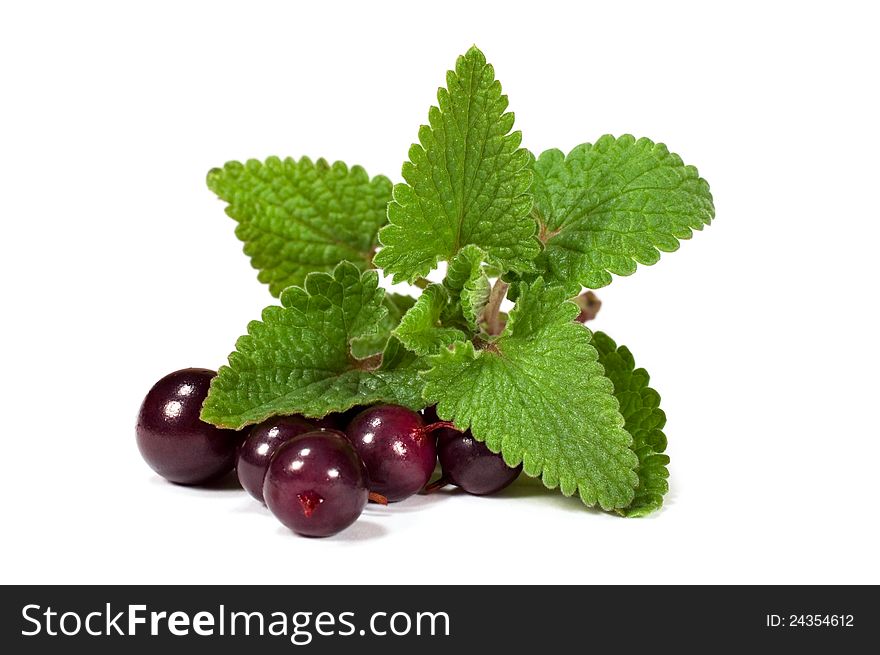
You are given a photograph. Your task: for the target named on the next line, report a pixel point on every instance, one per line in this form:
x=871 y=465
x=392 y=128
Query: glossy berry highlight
x=316 y=484
x=172 y=438
x=257 y=450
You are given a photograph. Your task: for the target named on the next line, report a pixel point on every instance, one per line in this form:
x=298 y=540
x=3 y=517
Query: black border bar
x=506 y=619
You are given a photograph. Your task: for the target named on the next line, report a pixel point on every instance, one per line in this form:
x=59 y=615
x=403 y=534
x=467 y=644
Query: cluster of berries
x=315 y=475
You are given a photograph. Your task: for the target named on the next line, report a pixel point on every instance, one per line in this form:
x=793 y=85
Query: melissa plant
x=535 y=385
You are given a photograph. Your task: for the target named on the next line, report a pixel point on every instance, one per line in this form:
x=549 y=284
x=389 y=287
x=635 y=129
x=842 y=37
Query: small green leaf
x=397 y=305
x=607 y=206
x=420 y=330
x=640 y=406
x=466 y=182
x=539 y=396
x=296 y=217
x=468 y=287
x=298 y=359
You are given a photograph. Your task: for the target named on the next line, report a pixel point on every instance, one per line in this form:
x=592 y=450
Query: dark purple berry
x=469 y=464
x=397 y=449
x=172 y=438
x=256 y=451
x=316 y=484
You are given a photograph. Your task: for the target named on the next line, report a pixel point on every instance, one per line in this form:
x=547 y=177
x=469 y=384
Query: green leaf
x=610 y=205
x=539 y=396
x=296 y=217
x=640 y=406
x=397 y=305
x=421 y=330
x=297 y=360
x=466 y=182
x=468 y=287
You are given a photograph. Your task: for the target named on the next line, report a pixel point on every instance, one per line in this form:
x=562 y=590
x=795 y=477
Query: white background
x=118 y=266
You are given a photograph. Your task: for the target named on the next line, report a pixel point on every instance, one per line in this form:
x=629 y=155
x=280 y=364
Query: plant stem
x=379 y=499
x=491 y=314
x=422 y=283
x=589 y=304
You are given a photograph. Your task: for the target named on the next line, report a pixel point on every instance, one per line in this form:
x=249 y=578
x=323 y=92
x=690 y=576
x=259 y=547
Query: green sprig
x=535 y=385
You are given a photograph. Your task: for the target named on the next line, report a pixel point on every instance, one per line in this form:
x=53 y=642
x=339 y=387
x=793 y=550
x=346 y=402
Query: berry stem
x=491 y=314
x=428 y=429
x=439 y=483
x=379 y=499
